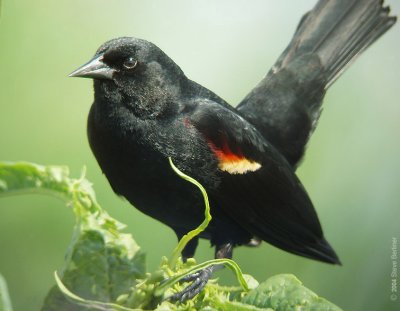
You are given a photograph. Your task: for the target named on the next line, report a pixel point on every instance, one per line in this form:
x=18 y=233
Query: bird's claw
x=199 y=280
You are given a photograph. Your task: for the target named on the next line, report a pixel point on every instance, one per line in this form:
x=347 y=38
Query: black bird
x=145 y=110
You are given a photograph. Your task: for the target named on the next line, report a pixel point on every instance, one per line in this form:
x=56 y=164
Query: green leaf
x=20 y=178
x=105 y=269
x=5 y=302
x=285 y=292
x=101 y=263
x=96 y=305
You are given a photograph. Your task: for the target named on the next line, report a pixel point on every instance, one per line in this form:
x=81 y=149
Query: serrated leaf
x=90 y=304
x=101 y=263
x=19 y=178
x=285 y=292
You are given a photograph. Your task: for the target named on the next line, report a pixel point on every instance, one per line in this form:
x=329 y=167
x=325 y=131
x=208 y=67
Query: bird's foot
x=199 y=280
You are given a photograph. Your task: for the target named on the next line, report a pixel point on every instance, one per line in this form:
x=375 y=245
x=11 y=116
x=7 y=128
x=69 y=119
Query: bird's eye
x=130 y=63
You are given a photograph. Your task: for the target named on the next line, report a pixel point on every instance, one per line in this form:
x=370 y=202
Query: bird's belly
x=145 y=178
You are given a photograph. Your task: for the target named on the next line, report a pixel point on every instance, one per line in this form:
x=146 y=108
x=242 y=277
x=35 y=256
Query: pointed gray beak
x=94 y=69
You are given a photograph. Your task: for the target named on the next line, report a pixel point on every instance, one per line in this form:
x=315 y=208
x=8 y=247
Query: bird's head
x=131 y=67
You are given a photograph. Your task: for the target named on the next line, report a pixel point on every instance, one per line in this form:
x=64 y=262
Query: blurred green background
x=351 y=169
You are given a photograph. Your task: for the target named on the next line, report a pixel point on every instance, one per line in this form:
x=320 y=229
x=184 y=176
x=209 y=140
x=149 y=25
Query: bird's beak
x=95 y=69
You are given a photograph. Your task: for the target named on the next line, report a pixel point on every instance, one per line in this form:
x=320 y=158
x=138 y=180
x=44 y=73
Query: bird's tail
x=286 y=104
x=338 y=31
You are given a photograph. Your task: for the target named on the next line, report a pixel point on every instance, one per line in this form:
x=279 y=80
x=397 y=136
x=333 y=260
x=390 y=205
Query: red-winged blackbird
x=146 y=110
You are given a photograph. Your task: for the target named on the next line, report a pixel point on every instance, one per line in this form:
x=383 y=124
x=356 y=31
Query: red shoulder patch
x=233 y=162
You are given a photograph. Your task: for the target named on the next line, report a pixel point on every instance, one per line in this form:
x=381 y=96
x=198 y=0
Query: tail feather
x=324 y=252
x=339 y=31
x=373 y=23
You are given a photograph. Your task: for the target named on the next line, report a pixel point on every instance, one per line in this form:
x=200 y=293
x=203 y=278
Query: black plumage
x=146 y=110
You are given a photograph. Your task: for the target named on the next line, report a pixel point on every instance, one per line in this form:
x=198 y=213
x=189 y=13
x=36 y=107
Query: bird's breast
x=137 y=167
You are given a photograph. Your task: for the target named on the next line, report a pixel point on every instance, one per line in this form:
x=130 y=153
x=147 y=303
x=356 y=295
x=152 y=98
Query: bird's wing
x=258 y=187
x=285 y=105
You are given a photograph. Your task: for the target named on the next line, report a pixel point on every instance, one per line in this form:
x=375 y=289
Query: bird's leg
x=200 y=278
x=224 y=251
x=190 y=248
